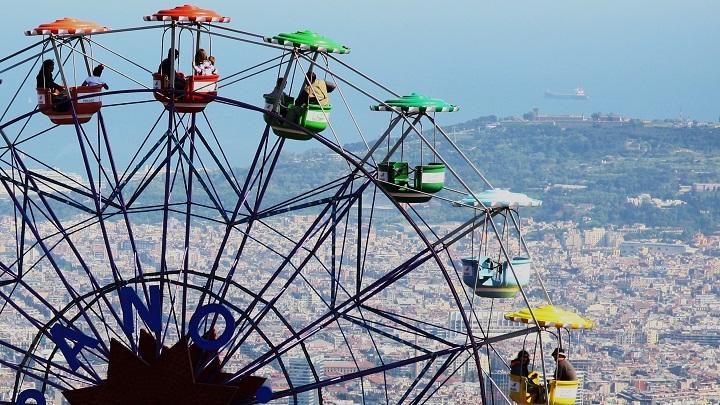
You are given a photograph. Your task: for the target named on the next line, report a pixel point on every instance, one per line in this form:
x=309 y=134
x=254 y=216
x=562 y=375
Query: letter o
x=198 y=316
x=31 y=394
x=264 y=394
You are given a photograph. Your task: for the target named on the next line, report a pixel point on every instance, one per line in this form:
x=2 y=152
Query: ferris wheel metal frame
x=149 y=302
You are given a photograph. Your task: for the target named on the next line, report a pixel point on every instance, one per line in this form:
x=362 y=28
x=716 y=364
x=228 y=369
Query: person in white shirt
x=95 y=79
x=204 y=65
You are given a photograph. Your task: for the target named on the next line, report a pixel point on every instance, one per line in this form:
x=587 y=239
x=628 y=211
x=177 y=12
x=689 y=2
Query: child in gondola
x=95 y=80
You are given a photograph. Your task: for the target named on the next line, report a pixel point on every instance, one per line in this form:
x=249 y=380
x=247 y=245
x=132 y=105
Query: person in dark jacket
x=564 y=371
x=519 y=365
x=166 y=66
x=57 y=92
x=45 y=77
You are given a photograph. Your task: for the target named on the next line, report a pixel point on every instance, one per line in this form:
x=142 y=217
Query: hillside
x=588 y=173
x=664 y=177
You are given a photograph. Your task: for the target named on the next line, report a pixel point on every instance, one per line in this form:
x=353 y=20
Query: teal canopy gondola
x=314 y=118
x=492 y=279
x=487 y=277
x=395 y=177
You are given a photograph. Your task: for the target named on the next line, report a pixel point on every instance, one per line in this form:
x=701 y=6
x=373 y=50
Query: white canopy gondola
x=498 y=198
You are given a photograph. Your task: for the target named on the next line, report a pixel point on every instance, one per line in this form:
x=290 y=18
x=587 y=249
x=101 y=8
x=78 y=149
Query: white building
x=301 y=373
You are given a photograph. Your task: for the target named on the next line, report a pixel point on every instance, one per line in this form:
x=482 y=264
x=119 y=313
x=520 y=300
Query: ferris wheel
x=147 y=259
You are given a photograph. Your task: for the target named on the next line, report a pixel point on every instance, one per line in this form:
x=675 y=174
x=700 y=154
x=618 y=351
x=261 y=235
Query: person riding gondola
x=45 y=77
x=564 y=371
x=45 y=81
x=279 y=93
x=519 y=366
x=95 y=80
x=166 y=66
x=316 y=91
x=204 y=65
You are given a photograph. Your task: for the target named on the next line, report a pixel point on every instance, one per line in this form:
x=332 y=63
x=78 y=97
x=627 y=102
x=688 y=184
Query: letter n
x=151 y=314
x=60 y=335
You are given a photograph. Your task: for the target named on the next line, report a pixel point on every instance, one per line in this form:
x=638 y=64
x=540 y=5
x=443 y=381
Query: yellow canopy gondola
x=558 y=392
x=550 y=316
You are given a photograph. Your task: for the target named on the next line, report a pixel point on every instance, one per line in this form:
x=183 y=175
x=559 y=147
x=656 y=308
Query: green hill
x=588 y=172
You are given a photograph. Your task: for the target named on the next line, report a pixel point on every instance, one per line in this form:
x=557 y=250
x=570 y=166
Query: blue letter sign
x=152 y=315
x=59 y=335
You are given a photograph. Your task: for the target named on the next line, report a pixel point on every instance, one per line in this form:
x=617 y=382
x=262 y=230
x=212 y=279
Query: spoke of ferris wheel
x=46 y=251
x=242 y=201
x=301 y=241
x=342 y=308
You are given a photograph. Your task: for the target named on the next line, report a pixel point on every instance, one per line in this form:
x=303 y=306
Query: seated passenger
x=44 y=80
x=211 y=66
x=279 y=93
x=519 y=366
x=316 y=92
x=167 y=65
x=564 y=371
x=204 y=65
x=95 y=79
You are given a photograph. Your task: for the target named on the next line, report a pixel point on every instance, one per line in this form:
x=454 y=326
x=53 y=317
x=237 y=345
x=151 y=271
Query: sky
x=639 y=59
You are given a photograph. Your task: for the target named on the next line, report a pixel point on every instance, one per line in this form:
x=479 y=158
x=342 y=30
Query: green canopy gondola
x=395 y=176
x=313 y=118
x=308 y=40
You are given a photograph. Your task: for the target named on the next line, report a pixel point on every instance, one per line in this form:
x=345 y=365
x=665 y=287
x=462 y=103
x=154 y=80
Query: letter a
x=60 y=334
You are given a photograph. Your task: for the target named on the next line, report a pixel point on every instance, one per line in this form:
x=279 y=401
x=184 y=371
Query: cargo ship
x=578 y=95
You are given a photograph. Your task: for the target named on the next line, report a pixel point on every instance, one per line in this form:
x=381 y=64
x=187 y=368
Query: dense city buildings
x=655 y=306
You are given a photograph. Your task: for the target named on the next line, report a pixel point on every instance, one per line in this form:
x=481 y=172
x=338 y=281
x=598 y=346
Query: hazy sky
x=640 y=58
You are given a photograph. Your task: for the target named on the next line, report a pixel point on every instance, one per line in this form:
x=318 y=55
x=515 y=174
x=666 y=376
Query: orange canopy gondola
x=202 y=89
x=89 y=101
x=88 y=104
x=67 y=26
x=187 y=13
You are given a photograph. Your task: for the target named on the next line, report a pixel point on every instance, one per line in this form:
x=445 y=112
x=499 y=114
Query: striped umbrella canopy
x=67 y=26
x=496 y=197
x=187 y=13
x=415 y=103
x=308 y=40
x=550 y=316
